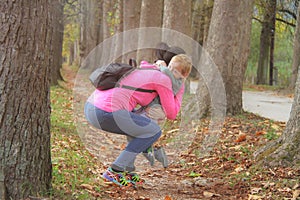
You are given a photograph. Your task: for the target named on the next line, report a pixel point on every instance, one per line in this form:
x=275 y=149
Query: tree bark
x=25 y=60
x=57 y=8
x=296 y=55
x=175 y=20
x=90 y=27
x=131 y=20
x=228 y=44
x=201 y=16
x=265 y=43
x=149 y=19
x=272 y=40
x=285 y=151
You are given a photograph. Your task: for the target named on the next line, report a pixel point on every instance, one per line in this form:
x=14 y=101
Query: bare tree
x=25 y=60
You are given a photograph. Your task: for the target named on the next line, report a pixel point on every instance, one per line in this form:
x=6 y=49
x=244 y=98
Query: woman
x=112 y=110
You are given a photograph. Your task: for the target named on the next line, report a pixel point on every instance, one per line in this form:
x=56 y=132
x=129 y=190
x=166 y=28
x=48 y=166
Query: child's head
x=171 y=52
x=181 y=63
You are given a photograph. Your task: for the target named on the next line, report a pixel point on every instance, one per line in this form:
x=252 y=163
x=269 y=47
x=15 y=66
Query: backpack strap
x=137 y=89
x=134 y=88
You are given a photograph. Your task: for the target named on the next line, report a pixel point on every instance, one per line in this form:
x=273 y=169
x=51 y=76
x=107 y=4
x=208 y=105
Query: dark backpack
x=108 y=77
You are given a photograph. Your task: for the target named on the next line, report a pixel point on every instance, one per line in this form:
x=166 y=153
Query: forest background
x=43 y=44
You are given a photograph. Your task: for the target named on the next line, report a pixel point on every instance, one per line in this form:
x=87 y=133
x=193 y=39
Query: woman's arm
x=171 y=104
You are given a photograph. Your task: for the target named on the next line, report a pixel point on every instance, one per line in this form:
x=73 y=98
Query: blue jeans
x=143 y=131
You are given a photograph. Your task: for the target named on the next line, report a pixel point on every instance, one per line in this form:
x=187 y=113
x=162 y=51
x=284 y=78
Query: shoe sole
x=112 y=180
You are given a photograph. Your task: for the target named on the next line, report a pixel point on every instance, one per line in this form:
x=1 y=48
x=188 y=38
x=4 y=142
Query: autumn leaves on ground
x=229 y=172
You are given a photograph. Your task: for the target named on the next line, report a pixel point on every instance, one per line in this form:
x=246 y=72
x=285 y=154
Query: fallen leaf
x=296 y=186
x=239 y=169
x=241 y=138
x=296 y=194
x=255 y=197
x=258 y=133
x=168 y=198
x=87 y=186
x=208 y=194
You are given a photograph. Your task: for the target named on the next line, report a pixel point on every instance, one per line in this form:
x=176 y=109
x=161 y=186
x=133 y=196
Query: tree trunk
x=149 y=19
x=286 y=150
x=265 y=43
x=25 y=60
x=178 y=21
x=118 y=28
x=107 y=18
x=201 y=16
x=90 y=27
x=296 y=56
x=228 y=44
x=58 y=34
x=131 y=20
x=208 y=8
x=272 y=40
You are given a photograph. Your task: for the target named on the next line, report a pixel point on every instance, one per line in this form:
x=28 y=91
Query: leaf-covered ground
x=229 y=172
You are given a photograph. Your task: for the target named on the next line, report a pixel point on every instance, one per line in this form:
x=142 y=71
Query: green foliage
x=71 y=26
x=283 y=54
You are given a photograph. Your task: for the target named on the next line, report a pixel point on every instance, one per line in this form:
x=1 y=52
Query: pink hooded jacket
x=120 y=98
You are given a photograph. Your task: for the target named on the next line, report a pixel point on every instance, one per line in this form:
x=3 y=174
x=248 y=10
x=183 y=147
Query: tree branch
x=286 y=22
x=288 y=12
x=259 y=20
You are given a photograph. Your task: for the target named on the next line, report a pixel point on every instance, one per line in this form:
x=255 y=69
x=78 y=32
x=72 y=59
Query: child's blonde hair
x=183 y=63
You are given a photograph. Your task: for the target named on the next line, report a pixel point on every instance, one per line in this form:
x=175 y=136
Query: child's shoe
x=161 y=156
x=118 y=178
x=150 y=156
x=158 y=154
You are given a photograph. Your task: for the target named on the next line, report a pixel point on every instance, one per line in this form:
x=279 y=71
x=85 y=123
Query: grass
x=74 y=168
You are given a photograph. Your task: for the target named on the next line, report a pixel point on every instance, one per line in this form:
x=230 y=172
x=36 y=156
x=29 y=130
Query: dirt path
x=225 y=174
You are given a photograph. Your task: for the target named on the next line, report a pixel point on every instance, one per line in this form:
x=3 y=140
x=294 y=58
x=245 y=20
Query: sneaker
x=134 y=178
x=118 y=178
x=158 y=154
x=150 y=156
x=161 y=156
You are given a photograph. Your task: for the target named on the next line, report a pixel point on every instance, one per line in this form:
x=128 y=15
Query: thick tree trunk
x=25 y=59
x=228 y=44
x=131 y=20
x=178 y=21
x=107 y=16
x=58 y=34
x=296 y=56
x=201 y=16
x=90 y=27
x=265 y=43
x=263 y=63
x=286 y=150
x=149 y=19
